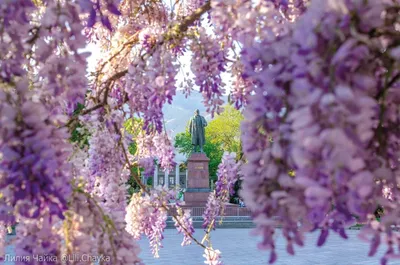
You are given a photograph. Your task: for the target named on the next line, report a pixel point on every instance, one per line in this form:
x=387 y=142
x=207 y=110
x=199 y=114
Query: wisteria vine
x=317 y=80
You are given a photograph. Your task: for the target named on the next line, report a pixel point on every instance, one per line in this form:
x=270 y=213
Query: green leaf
x=78 y=109
x=132 y=148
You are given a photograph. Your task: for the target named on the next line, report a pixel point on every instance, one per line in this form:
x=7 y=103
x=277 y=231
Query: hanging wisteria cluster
x=317 y=81
x=208 y=62
x=326 y=105
x=224 y=188
x=147 y=215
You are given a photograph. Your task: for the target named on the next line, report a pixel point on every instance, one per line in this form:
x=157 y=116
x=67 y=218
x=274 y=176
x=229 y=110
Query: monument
x=197 y=126
x=198 y=186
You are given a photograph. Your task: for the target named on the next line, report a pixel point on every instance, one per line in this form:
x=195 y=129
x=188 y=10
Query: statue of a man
x=196 y=129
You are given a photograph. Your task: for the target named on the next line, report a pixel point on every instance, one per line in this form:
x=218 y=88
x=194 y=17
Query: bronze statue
x=196 y=130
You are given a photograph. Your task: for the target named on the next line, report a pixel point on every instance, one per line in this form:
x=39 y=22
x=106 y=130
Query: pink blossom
x=212 y=256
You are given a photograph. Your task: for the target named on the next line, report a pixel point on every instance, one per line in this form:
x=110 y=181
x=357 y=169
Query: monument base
x=196 y=198
x=198 y=187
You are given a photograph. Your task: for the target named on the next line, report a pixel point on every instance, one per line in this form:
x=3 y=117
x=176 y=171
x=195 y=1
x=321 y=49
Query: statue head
x=197 y=112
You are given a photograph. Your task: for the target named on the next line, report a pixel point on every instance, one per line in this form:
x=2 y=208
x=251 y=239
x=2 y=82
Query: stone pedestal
x=198 y=187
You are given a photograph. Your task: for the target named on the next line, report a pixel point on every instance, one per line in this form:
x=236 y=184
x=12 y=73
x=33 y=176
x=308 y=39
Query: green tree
x=225 y=130
x=79 y=134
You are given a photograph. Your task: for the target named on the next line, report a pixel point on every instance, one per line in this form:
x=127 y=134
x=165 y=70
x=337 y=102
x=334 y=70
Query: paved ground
x=239 y=248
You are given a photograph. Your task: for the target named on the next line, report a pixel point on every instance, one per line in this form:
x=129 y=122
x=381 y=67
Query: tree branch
x=134 y=38
x=389 y=85
x=189 y=20
x=183 y=26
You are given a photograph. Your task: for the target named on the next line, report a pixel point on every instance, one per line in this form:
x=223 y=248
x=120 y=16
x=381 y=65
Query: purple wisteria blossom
x=318 y=109
x=34 y=152
x=228 y=174
x=317 y=80
x=155 y=87
x=146 y=216
x=184 y=225
x=207 y=64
